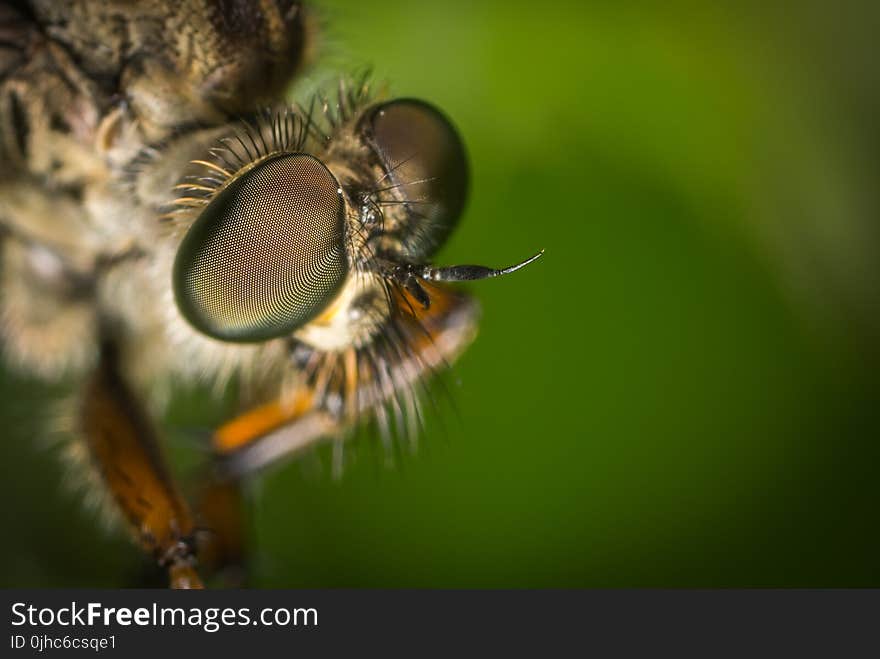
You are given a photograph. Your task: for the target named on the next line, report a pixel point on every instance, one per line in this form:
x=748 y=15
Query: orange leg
x=221 y=542
x=433 y=337
x=126 y=452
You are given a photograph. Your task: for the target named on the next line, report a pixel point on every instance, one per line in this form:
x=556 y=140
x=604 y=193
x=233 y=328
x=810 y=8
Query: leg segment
x=353 y=384
x=125 y=450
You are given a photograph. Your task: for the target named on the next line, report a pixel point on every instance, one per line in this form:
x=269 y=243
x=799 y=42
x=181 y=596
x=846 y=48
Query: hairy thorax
x=100 y=114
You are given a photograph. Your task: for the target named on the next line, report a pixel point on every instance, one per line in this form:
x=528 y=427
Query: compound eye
x=266 y=255
x=426 y=169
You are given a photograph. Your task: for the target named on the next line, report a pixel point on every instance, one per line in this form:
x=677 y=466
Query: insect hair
x=251 y=139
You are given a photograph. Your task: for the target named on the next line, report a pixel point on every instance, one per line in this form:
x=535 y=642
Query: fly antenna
x=472 y=272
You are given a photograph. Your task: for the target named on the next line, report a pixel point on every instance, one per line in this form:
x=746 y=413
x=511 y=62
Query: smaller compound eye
x=425 y=166
x=266 y=255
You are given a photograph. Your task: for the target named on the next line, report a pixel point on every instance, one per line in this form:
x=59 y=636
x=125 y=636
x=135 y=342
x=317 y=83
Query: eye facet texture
x=425 y=161
x=266 y=254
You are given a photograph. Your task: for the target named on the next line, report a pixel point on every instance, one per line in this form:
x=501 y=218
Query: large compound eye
x=266 y=254
x=425 y=167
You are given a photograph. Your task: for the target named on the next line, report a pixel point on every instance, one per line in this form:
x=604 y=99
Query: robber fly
x=166 y=216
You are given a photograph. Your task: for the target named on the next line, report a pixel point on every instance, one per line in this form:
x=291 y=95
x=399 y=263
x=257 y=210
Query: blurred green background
x=683 y=392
